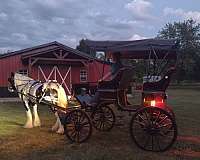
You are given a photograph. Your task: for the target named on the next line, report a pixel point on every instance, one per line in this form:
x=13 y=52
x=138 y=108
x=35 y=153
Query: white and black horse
x=32 y=92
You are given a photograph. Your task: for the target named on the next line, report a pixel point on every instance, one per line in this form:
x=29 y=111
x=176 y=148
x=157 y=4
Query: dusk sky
x=26 y=23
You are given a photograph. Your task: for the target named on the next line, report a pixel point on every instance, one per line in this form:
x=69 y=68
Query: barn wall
x=98 y=70
x=8 y=65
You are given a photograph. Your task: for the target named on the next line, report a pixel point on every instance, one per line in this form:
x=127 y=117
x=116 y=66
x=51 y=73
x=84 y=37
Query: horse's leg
x=36 y=122
x=60 y=129
x=56 y=125
x=29 y=122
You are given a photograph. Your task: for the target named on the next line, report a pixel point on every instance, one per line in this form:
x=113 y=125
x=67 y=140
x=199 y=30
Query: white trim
x=40 y=69
x=70 y=78
x=53 y=70
x=63 y=79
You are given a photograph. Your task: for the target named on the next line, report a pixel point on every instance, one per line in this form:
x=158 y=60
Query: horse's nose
x=10 y=89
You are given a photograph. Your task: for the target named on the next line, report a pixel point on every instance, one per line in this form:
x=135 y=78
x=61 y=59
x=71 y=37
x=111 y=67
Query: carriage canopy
x=147 y=49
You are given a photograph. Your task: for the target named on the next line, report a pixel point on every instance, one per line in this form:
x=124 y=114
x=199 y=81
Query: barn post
x=29 y=67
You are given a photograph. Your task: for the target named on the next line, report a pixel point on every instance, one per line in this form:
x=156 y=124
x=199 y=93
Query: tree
x=188 y=34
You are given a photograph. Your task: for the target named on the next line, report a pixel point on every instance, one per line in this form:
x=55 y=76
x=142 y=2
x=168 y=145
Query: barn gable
x=55 y=53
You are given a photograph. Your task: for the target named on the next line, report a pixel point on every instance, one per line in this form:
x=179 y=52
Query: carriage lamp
x=154 y=101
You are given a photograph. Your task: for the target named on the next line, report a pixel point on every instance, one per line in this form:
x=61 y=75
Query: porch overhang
x=56 y=61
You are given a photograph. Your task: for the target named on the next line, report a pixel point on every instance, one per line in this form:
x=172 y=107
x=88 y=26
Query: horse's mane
x=62 y=98
x=21 y=77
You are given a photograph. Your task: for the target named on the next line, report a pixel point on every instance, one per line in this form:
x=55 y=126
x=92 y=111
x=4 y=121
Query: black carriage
x=153 y=126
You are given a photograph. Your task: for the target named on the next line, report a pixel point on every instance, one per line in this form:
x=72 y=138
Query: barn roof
x=45 y=47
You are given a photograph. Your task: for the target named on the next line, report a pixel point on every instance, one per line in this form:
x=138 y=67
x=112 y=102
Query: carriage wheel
x=78 y=127
x=153 y=129
x=103 y=118
x=170 y=111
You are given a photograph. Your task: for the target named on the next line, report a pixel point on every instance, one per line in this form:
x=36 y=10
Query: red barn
x=50 y=61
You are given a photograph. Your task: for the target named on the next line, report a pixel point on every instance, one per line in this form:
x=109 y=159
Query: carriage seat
x=114 y=82
x=160 y=85
x=107 y=90
x=116 y=88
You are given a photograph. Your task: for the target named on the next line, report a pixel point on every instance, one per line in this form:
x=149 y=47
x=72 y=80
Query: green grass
x=39 y=143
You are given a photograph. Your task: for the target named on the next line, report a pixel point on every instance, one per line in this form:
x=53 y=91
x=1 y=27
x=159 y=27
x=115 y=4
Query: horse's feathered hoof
x=37 y=124
x=54 y=128
x=28 y=126
x=60 y=131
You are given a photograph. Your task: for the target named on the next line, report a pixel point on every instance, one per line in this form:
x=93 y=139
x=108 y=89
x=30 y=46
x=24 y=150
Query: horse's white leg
x=36 y=122
x=29 y=121
x=58 y=126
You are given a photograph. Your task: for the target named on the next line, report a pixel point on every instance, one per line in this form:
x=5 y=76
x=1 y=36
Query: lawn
x=41 y=144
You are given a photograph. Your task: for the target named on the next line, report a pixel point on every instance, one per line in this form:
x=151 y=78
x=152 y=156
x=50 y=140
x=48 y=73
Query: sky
x=27 y=23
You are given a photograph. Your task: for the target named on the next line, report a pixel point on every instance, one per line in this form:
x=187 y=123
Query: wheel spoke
x=152 y=143
x=138 y=122
x=161 y=133
x=157 y=118
x=74 y=135
x=165 y=125
x=85 y=124
x=147 y=139
x=162 y=120
x=78 y=136
x=142 y=118
x=147 y=117
x=158 y=142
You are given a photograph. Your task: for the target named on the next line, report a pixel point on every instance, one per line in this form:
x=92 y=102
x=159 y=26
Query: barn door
x=61 y=74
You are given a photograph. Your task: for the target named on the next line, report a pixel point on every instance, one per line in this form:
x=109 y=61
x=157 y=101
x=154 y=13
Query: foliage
x=86 y=49
x=188 y=34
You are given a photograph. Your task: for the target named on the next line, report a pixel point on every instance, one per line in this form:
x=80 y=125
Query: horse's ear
x=9 y=79
x=12 y=74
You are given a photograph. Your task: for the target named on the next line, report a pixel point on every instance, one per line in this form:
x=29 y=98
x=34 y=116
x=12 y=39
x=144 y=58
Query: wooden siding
x=8 y=65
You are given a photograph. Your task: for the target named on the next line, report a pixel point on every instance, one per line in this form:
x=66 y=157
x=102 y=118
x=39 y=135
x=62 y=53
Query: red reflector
x=153 y=102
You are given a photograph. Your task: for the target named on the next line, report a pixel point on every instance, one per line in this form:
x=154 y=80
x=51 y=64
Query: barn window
x=100 y=55
x=23 y=72
x=83 y=75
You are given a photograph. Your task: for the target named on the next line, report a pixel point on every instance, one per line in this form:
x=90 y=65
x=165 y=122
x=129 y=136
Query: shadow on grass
x=13 y=123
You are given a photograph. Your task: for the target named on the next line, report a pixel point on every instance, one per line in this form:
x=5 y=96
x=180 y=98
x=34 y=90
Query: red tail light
x=153 y=101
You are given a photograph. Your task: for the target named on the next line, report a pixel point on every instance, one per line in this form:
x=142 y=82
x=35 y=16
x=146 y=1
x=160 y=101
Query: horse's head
x=17 y=81
x=55 y=92
x=11 y=86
